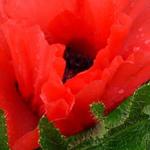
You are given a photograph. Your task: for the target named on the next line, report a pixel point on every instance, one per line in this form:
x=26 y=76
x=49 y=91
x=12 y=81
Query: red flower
x=58 y=57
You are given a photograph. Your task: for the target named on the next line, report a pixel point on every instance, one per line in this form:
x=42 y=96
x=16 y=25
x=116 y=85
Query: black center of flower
x=75 y=62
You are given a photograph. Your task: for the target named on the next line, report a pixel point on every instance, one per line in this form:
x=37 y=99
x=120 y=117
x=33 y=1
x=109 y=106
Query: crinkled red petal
x=12 y=104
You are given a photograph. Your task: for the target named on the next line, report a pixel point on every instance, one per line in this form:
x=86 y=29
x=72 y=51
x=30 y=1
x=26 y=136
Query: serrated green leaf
x=146 y=141
x=129 y=138
x=119 y=115
x=82 y=136
x=140 y=99
x=146 y=110
x=126 y=139
x=116 y=117
x=127 y=127
x=50 y=138
x=3 y=132
x=98 y=110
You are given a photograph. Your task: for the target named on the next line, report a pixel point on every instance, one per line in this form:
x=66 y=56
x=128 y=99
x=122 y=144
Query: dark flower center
x=76 y=60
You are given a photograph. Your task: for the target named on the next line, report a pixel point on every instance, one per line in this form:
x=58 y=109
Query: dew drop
x=140 y=29
x=136 y=49
x=121 y=91
x=147 y=42
x=142 y=35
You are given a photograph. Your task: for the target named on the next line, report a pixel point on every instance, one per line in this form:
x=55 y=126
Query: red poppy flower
x=58 y=57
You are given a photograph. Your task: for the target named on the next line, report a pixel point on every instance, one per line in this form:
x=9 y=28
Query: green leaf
x=89 y=134
x=3 y=132
x=98 y=110
x=130 y=138
x=119 y=115
x=114 y=119
x=126 y=128
x=146 y=141
x=146 y=110
x=140 y=100
x=50 y=138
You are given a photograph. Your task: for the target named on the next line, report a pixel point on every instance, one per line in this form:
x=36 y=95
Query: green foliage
x=3 y=132
x=50 y=138
x=126 y=128
x=146 y=110
x=98 y=109
x=119 y=115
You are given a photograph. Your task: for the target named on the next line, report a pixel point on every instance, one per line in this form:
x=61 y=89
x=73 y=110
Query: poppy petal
x=15 y=109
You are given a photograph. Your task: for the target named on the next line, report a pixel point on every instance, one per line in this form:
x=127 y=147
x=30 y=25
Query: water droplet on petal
x=142 y=35
x=136 y=49
x=121 y=91
x=140 y=29
x=147 y=42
